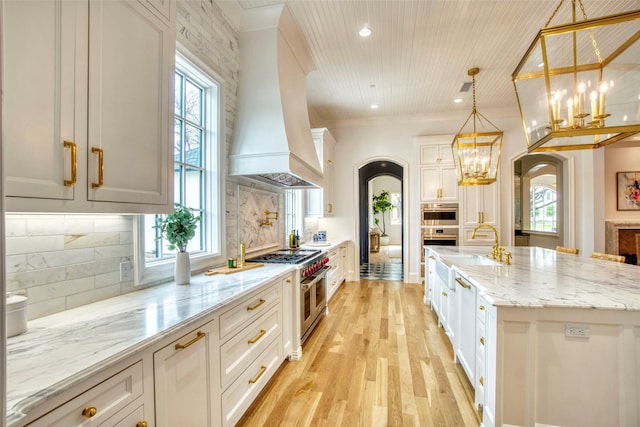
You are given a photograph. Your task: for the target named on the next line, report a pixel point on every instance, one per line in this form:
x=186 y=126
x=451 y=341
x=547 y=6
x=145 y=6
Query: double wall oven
x=439 y=224
x=312 y=267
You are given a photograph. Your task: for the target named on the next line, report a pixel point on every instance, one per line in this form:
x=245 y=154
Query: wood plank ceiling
x=417 y=57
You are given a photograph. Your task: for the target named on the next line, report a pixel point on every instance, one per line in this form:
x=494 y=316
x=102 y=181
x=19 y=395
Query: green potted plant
x=381 y=203
x=178 y=228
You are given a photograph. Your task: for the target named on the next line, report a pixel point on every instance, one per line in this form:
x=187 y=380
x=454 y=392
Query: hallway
x=384 y=265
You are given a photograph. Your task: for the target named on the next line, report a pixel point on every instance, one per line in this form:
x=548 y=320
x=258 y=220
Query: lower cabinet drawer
x=243 y=348
x=239 y=396
x=99 y=403
x=248 y=310
x=135 y=418
x=480 y=383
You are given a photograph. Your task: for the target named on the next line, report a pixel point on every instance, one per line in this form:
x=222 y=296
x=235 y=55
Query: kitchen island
x=69 y=355
x=555 y=337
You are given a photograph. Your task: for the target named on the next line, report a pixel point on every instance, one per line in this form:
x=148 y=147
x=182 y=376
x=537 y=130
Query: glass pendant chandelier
x=578 y=85
x=476 y=147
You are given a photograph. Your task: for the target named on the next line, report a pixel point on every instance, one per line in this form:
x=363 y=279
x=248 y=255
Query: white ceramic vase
x=182 y=272
x=384 y=240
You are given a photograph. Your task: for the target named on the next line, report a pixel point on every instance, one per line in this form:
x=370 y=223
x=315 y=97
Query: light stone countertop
x=545 y=278
x=63 y=349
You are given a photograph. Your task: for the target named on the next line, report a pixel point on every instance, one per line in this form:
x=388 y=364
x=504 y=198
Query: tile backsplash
x=64 y=261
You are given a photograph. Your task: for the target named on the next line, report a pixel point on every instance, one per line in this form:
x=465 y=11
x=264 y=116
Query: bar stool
x=567 y=250
x=607 y=257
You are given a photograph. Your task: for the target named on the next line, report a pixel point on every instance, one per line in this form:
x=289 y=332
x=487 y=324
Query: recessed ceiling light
x=374 y=106
x=457 y=100
x=365 y=31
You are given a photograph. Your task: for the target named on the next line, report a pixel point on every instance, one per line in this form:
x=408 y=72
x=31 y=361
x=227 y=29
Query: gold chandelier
x=578 y=85
x=476 y=147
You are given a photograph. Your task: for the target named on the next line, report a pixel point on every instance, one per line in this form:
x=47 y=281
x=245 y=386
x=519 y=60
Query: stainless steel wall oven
x=433 y=236
x=439 y=214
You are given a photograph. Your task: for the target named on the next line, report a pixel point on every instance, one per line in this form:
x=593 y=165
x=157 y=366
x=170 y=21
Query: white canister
x=16 y=315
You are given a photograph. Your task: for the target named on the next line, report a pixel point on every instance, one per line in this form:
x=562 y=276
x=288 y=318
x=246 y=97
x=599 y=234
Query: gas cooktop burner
x=286 y=256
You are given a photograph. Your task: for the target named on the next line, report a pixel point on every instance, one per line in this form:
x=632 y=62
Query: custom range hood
x=272 y=138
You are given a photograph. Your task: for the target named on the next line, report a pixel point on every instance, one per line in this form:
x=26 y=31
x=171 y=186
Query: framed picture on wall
x=628 y=191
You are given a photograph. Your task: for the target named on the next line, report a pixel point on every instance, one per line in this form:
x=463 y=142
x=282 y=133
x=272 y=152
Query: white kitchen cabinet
x=334 y=275
x=342 y=262
x=436 y=154
x=320 y=200
x=185 y=374
x=106 y=402
x=437 y=171
x=88 y=87
x=480 y=204
x=465 y=347
x=252 y=349
x=438 y=184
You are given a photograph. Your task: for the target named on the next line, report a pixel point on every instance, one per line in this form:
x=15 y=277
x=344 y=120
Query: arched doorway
x=366 y=174
x=539 y=201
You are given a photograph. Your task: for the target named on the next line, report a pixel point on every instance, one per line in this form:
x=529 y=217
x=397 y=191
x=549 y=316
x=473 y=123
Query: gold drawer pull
x=482 y=308
x=253 y=307
x=74 y=163
x=288 y=281
x=257 y=377
x=444 y=294
x=432 y=257
x=481 y=381
x=100 y=153
x=198 y=337
x=260 y=335
x=89 y=412
x=482 y=340
x=464 y=285
x=141 y=424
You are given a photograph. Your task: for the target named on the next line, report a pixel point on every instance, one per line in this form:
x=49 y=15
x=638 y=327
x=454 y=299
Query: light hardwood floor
x=378 y=359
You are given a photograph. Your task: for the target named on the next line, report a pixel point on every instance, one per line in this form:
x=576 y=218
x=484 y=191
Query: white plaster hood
x=272 y=138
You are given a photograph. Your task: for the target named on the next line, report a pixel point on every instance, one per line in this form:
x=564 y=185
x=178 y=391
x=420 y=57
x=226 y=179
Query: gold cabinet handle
x=198 y=337
x=481 y=380
x=257 y=377
x=89 y=412
x=100 y=153
x=258 y=304
x=432 y=257
x=482 y=308
x=482 y=340
x=74 y=163
x=288 y=280
x=444 y=294
x=141 y=424
x=464 y=285
x=257 y=337
x=330 y=207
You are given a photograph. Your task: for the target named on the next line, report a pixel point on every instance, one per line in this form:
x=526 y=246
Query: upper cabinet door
x=41 y=70
x=88 y=106
x=131 y=62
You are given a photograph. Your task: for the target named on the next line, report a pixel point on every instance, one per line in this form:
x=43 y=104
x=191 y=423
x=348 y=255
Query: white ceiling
x=419 y=51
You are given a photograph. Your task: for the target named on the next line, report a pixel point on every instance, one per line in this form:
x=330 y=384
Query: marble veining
x=63 y=349
x=252 y=204
x=541 y=277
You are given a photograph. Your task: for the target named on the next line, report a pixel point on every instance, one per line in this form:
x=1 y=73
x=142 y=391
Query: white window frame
x=163 y=270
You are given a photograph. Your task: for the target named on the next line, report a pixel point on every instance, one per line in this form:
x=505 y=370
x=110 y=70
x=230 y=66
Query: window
x=543 y=206
x=396 y=204
x=197 y=180
x=292 y=204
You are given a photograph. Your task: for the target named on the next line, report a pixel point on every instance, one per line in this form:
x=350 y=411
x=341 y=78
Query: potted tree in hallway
x=381 y=204
x=178 y=228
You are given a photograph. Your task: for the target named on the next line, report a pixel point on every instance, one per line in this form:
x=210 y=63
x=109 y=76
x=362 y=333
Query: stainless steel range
x=312 y=268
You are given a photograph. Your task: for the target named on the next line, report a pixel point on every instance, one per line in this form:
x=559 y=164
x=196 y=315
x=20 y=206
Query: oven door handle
x=315 y=278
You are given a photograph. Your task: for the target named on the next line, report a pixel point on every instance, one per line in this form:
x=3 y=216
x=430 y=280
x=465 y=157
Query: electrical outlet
x=126 y=272
x=576 y=331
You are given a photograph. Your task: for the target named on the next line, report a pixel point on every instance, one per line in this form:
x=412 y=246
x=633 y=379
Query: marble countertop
x=61 y=350
x=545 y=278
